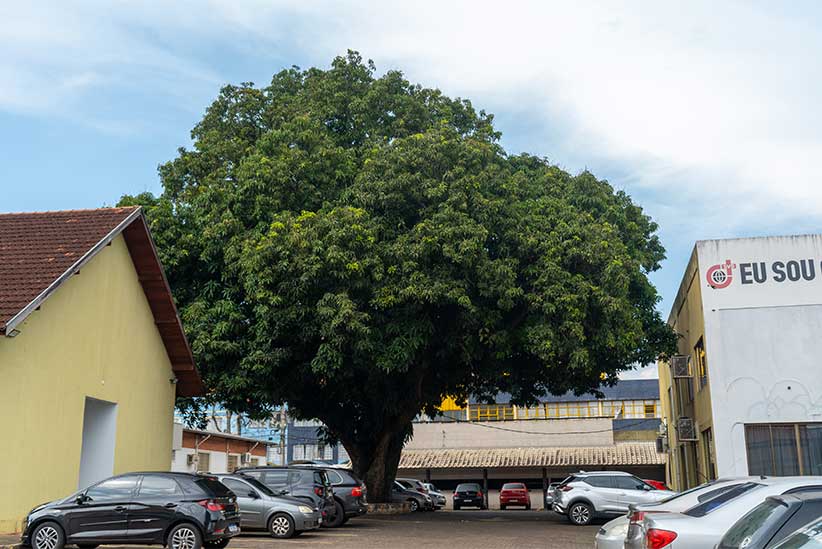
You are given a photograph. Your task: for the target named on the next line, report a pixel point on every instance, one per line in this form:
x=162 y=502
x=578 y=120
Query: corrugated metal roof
x=629 y=389
x=635 y=453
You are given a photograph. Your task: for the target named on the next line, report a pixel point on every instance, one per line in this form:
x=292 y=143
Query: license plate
x=233 y=528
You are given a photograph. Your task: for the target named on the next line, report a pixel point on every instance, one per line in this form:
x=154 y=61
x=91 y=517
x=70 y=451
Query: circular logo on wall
x=720 y=276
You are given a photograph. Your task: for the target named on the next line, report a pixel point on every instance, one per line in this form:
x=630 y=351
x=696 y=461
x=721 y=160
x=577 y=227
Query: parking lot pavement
x=451 y=529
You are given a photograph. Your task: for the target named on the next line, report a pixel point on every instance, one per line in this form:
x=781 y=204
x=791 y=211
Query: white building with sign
x=744 y=396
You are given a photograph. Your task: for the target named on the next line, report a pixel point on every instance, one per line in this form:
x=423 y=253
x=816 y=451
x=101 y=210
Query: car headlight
x=304 y=509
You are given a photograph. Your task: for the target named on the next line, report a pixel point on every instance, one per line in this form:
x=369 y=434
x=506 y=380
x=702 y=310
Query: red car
x=658 y=484
x=514 y=493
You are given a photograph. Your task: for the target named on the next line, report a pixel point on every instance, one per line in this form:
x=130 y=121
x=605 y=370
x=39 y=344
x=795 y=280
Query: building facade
x=92 y=354
x=744 y=394
x=500 y=442
x=210 y=452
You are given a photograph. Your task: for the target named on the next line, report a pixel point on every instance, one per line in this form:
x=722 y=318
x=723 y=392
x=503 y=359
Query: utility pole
x=283 y=424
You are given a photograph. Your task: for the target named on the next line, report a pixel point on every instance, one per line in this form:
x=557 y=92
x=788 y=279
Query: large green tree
x=361 y=247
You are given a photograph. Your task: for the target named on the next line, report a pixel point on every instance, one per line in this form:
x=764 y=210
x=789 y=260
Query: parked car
x=347 y=490
x=305 y=483
x=437 y=497
x=772 y=521
x=549 y=495
x=514 y=493
x=469 y=494
x=417 y=501
x=705 y=524
x=807 y=537
x=262 y=509
x=586 y=495
x=179 y=510
x=613 y=535
x=658 y=484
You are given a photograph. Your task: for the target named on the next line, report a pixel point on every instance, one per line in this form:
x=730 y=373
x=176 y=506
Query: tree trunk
x=376 y=464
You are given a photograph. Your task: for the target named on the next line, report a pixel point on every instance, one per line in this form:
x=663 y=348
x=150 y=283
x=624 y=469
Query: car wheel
x=580 y=514
x=501 y=507
x=281 y=526
x=527 y=506
x=184 y=536
x=339 y=516
x=48 y=535
x=218 y=544
x=456 y=507
x=414 y=505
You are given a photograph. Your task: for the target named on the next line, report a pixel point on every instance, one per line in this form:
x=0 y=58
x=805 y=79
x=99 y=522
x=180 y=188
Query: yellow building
x=92 y=354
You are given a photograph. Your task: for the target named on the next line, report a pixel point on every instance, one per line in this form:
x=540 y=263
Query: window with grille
x=203 y=462
x=233 y=462
x=784 y=449
x=650 y=410
x=701 y=363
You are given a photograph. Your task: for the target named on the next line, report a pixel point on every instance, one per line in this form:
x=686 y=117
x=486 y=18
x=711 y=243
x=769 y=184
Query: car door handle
x=120 y=509
x=170 y=505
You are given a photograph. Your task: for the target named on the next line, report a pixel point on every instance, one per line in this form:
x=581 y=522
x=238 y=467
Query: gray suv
x=584 y=496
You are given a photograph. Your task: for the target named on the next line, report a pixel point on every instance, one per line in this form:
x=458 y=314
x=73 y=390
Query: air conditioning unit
x=191 y=460
x=681 y=366
x=686 y=429
x=661 y=445
x=246 y=459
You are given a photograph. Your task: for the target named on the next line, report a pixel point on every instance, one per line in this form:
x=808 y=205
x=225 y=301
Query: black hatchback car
x=301 y=482
x=179 y=510
x=468 y=494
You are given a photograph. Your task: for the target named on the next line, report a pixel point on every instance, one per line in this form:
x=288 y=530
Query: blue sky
x=708 y=116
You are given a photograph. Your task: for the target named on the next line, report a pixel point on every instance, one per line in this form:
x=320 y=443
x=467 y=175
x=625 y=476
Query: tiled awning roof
x=635 y=453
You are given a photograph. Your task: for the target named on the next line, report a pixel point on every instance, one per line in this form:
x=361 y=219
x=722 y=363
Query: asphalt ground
x=441 y=529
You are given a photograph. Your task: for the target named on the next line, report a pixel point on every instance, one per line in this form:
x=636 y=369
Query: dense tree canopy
x=360 y=247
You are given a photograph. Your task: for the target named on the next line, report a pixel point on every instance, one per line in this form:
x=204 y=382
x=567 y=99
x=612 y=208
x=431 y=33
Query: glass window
x=259 y=486
x=811 y=436
x=275 y=479
x=757 y=523
x=513 y=486
x=712 y=504
x=629 y=483
x=213 y=487
x=203 y=462
x=809 y=537
x=468 y=488
x=157 y=486
x=334 y=478
x=240 y=488
x=603 y=481
x=113 y=489
x=701 y=363
x=233 y=462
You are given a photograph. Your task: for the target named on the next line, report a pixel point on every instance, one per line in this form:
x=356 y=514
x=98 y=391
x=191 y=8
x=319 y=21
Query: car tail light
x=565 y=488
x=318 y=491
x=211 y=505
x=356 y=492
x=479 y=494
x=657 y=539
x=637 y=516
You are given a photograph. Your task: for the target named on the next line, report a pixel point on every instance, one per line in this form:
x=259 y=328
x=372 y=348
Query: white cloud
x=708 y=109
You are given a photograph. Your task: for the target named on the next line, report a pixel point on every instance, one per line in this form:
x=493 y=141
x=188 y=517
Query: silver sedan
x=263 y=509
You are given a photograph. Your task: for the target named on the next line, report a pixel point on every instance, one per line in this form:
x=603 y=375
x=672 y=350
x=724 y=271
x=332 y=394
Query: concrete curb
x=383 y=509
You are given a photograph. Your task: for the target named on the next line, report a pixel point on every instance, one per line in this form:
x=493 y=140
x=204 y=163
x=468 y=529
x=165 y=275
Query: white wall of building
x=763 y=337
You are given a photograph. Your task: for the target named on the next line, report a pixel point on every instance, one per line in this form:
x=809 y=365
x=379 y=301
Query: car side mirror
x=81 y=499
x=647 y=488
x=283 y=492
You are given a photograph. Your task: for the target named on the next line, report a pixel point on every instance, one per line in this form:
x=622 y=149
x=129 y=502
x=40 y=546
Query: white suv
x=583 y=496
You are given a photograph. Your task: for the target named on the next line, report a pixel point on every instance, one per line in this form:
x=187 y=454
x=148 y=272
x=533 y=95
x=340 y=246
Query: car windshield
x=754 y=525
x=809 y=537
x=715 y=503
x=468 y=488
x=259 y=486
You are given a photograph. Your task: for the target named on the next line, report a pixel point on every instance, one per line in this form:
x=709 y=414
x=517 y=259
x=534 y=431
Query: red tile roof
x=39 y=251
